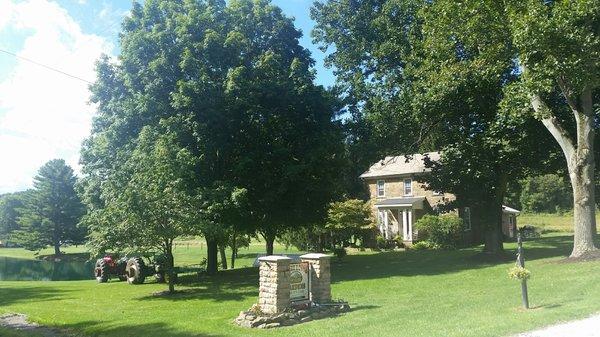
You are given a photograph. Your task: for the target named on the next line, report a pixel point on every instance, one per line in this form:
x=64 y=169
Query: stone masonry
x=320 y=282
x=274 y=292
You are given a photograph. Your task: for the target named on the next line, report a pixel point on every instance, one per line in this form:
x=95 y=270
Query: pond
x=12 y=269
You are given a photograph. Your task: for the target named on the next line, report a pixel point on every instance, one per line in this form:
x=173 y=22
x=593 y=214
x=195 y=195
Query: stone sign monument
x=292 y=292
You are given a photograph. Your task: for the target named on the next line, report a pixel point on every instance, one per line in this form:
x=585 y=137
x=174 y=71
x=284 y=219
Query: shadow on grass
x=227 y=285
x=97 y=328
x=413 y=263
x=12 y=295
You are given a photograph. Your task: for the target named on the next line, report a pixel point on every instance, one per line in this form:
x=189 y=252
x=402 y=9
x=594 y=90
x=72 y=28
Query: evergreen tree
x=52 y=210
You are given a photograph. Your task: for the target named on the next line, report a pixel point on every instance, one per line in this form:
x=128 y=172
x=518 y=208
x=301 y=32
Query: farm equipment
x=133 y=270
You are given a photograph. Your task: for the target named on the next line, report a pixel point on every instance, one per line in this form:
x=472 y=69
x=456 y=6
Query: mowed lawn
x=414 y=293
x=550 y=222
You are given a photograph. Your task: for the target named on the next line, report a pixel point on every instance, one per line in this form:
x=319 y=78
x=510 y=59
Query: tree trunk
x=233 y=249
x=56 y=248
x=270 y=240
x=493 y=238
x=211 y=256
x=223 y=257
x=581 y=173
x=579 y=154
x=171 y=269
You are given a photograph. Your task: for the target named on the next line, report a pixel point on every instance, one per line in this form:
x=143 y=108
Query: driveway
x=589 y=327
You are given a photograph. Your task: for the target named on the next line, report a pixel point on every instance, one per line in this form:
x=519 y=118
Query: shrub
x=422 y=245
x=530 y=232
x=442 y=231
x=381 y=242
x=340 y=252
x=399 y=241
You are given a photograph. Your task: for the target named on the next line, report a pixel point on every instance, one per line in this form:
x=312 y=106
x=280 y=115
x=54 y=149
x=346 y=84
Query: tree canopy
x=232 y=82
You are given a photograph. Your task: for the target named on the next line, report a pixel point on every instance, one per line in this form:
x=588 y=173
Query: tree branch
x=554 y=126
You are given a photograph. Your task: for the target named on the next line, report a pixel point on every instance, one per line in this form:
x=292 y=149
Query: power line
x=45 y=66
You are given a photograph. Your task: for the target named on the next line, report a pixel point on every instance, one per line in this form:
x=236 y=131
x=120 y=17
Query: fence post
x=521 y=263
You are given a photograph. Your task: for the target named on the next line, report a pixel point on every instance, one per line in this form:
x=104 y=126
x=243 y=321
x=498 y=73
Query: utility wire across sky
x=45 y=66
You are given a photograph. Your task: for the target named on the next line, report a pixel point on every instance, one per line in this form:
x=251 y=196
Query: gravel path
x=589 y=327
x=19 y=322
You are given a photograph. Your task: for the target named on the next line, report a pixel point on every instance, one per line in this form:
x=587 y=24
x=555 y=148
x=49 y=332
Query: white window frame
x=377 y=189
x=404 y=187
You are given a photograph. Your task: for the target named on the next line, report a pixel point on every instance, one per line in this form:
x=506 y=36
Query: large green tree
x=153 y=201
x=421 y=88
x=10 y=206
x=410 y=63
x=52 y=210
x=238 y=91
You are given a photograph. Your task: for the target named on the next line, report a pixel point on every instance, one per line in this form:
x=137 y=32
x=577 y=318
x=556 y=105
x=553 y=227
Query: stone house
x=400 y=197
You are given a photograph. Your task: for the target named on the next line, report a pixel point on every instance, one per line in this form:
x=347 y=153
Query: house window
x=408 y=186
x=467 y=218
x=380 y=188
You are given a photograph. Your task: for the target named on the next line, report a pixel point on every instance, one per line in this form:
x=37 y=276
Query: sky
x=45 y=114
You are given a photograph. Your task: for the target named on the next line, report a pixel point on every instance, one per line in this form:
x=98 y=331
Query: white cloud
x=44 y=114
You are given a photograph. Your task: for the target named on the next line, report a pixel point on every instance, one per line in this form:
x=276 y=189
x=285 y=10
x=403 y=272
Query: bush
x=423 y=245
x=340 y=253
x=443 y=231
x=530 y=232
x=381 y=242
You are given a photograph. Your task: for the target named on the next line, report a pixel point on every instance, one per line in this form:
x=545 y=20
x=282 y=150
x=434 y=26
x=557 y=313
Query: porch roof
x=398 y=202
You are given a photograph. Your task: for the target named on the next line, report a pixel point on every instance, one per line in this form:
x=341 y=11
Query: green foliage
x=340 y=252
x=519 y=273
x=52 y=211
x=546 y=194
x=235 y=87
x=348 y=219
x=423 y=245
x=10 y=207
x=530 y=232
x=444 y=231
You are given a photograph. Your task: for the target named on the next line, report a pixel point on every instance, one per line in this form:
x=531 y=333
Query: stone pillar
x=320 y=281
x=274 y=288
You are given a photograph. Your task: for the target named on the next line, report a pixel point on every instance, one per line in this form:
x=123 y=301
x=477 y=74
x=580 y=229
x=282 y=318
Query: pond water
x=12 y=269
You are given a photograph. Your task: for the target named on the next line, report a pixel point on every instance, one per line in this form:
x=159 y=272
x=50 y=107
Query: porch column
x=385 y=224
x=410 y=229
x=404 y=225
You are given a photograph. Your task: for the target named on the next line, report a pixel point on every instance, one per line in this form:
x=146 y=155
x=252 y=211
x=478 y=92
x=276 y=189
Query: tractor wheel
x=160 y=277
x=135 y=271
x=123 y=277
x=101 y=271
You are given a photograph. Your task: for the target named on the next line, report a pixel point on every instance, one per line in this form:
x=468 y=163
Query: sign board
x=299 y=281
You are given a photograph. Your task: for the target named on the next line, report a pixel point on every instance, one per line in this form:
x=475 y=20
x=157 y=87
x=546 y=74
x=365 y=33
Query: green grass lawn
x=414 y=293
x=550 y=222
x=186 y=253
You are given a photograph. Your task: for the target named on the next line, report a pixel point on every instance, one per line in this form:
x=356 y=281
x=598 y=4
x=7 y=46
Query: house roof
x=408 y=201
x=507 y=209
x=400 y=165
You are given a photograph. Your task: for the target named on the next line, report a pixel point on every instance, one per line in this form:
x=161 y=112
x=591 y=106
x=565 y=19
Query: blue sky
x=46 y=115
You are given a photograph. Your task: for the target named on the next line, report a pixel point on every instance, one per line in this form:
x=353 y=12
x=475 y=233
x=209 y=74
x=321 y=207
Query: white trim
x=393 y=205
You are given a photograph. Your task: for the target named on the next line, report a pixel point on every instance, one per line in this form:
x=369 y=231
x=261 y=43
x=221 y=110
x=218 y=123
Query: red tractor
x=134 y=270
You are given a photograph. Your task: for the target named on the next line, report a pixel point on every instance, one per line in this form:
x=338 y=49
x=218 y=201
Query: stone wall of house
x=394 y=188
